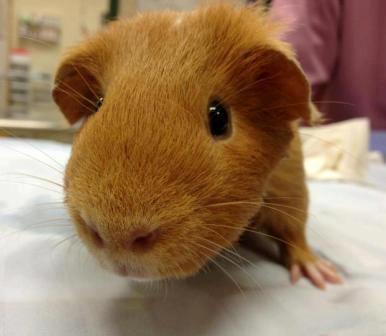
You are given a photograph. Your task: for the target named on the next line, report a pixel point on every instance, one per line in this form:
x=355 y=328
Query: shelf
x=35 y=129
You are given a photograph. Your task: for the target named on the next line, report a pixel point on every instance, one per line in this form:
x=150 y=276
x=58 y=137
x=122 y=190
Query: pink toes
x=319 y=272
x=329 y=272
x=295 y=273
x=313 y=273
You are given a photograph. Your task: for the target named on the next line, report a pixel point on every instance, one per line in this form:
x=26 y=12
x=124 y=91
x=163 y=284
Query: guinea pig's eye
x=99 y=103
x=218 y=119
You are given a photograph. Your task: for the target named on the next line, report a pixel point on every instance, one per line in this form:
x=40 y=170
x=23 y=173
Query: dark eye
x=218 y=119
x=99 y=103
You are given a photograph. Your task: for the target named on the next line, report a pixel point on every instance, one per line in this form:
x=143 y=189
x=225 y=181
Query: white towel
x=337 y=151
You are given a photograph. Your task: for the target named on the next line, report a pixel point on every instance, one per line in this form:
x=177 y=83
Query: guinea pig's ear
x=76 y=91
x=273 y=81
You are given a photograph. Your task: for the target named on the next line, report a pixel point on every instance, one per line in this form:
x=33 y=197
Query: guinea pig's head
x=185 y=115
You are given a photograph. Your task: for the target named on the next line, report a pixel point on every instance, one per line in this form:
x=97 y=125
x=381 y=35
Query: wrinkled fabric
x=337 y=151
x=51 y=286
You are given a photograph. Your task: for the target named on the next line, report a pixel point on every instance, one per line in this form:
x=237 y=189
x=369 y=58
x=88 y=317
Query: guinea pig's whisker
x=194 y=256
x=205 y=269
x=239 y=256
x=32 y=146
x=268 y=206
x=229 y=259
x=332 y=102
x=72 y=236
x=165 y=284
x=292 y=208
x=221 y=236
x=17 y=174
x=157 y=285
x=76 y=99
x=331 y=144
x=178 y=265
x=218 y=247
x=230 y=203
x=85 y=81
x=46 y=208
x=233 y=262
x=285 y=206
x=259 y=233
x=282 y=197
x=292 y=217
x=303 y=103
x=220 y=267
x=254 y=280
x=41 y=207
x=153 y=285
x=77 y=93
x=252 y=85
x=59 y=225
x=234 y=253
x=31 y=184
x=64 y=221
x=28 y=227
x=32 y=157
x=72 y=244
x=51 y=220
x=44 y=204
x=42 y=42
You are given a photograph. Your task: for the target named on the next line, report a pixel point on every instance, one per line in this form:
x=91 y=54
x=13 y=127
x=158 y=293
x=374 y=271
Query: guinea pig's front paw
x=318 y=271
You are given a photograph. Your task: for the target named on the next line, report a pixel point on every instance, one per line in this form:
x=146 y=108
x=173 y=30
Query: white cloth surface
x=337 y=151
x=52 y=287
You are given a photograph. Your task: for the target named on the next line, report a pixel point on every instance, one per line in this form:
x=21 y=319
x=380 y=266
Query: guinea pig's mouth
x=147 y=269
x=144 y=274
x=134 y=274
x=127 y=271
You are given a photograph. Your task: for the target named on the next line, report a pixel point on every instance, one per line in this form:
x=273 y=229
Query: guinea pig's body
x=194 y=143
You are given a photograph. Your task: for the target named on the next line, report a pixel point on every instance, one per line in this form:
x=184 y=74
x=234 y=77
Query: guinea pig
x=189 y=131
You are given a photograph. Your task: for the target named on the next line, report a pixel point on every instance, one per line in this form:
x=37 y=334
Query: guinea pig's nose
x=142 y=240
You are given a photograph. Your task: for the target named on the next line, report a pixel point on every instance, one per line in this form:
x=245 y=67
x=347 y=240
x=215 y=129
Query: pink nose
x=142 y=240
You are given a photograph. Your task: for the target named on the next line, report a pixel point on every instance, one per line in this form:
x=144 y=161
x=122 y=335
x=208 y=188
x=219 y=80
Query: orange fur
x=146 y=160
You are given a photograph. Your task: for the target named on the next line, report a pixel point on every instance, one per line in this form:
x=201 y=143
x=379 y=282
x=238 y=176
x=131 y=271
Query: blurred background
x=33 y=36
x=34 y=33
x=342 y=51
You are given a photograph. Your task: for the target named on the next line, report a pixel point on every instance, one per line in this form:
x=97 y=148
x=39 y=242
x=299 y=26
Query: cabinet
x=5 y=8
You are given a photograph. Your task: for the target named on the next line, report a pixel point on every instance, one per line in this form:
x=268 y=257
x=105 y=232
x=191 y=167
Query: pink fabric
x=341 y=45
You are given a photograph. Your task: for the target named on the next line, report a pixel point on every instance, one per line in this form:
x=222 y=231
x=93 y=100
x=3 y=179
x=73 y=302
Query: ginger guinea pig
x=189 y=129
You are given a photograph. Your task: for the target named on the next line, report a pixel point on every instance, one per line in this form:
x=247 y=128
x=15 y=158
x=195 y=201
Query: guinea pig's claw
x=319 y=272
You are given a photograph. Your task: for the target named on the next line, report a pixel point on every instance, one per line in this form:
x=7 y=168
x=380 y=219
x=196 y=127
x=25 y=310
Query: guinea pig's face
x=169 y=167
